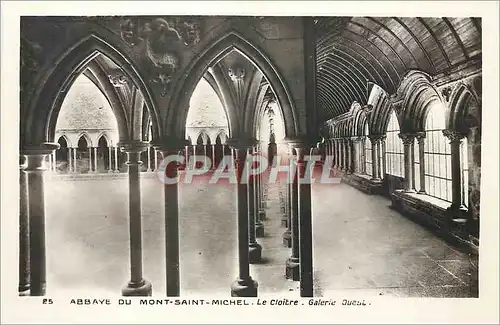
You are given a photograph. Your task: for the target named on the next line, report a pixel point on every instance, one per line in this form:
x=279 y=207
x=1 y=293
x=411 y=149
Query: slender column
x=421 y=158
x=54 y=161
x=149 y=159
x=349 y=155
x=305 y=223
x=375 y=159
x=213 y=156
x=408 y=141
x=457 y=209
x=194 y=157
x=74 y=160
x=137 y=286
x=379 y=157
x=24 y=247
x=110 y=165
x=287 y=235
x=254 y=248
x=70 y=160
x=284 y=216
x=116 y=160
x=292 y=270
x=171 y=207
x=36 y=212
x=90 y=159
x=186 y=157
x=382 y=159
x=95 y=160
x=244 y=286
x=260 y=214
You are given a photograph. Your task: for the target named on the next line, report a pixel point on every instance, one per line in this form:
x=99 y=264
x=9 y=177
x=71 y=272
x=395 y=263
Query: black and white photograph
x=245 y=158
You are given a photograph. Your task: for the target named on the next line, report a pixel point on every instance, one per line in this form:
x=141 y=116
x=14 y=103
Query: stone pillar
x=305 y=222
x=375 y=159
x=171 y=207
x=421 y=157
x=90 y=159
x=254 y=248
x=457 y=211
x=382 y=159
x=408 y=141
x=213 y=156
x=24 y=247
x=117 y=170
x=54 y=161
x=349 y=156
x=259 y=211
x=110 y=162
x=156 y=159
x=70 y=160
x=149 y=159
x=95 y=160
x=35 y=155
x=292 y=270
x=137 y=286
x=74 y=160
x=287 y=235
x=244 y=286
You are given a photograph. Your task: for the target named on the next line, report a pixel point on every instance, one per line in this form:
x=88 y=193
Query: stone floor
x=360 y=244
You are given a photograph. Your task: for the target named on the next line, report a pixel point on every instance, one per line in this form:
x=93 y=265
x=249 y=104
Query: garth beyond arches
x=46 y=102
x=179 y=103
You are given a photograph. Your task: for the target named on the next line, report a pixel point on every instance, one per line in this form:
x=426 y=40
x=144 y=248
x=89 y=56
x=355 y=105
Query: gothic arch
x=45 y=104
x=106 y=137
x=66 y=138
x=87 y=138
x=220 y=47
x=463 y=97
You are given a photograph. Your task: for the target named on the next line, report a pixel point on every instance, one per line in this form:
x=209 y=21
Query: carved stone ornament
x=118 y=78
x=162 y=40
x=236 y=73
x=446 y=92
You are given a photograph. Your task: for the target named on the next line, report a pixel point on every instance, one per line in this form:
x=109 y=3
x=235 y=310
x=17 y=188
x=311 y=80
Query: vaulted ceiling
x=355 y=51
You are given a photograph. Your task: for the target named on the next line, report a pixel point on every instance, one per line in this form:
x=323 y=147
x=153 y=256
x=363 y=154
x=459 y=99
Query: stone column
x=382 y=158
x=349 y=156
x=457 y=210
x=95 y=160
x=254 y=248
x=287 y=235
x=54 y=161
x=137 y=286
x=421 y=157
x=375 y=160
x=35 y=156
x=171 y=206
x=305 y=222
x=213 y=157
x=70 y=160
x=74 y=160
x=244 y=286
x=292 y=270
x=363 y=155
x=408 y=141
x=90 y=159
x=259 y=211
x=110 y=163
x=24 y=247
x=149 y=159
x=117 y=170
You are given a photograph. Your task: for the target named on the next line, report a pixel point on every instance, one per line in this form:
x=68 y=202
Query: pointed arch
x=105 y=136
x=463 y=97
x=44 y=106
x=220 y=47
x=63 y=136
x=86 y=137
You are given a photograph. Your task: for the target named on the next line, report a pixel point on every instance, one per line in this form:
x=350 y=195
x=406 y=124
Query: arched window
x=437 y=155
x=394 y=152
x=368 y=153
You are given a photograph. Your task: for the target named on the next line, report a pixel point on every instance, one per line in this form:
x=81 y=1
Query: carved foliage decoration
x=162 y=40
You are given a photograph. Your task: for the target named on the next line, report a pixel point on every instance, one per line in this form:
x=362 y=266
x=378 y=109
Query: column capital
x=453 y=135
x=170 y=143
x=132 y=146
x=241 y=143
x=44 y=148
x=407 y=138
x=420 y=136
x=376 y=137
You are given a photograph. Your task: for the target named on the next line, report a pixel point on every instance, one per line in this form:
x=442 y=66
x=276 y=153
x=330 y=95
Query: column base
x=254 y=253
x=141 y=289
x=24 y=290
x=292 y=270
x=110 y=171
x=244 y=288
x=287 y=238
x=259 y=229
x=262 y=215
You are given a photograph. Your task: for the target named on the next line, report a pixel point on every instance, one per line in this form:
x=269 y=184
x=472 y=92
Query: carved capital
x=376 y=137
x=407 y=138
x=453 y=136
x=118 y=78
x=236 y=73
x=446 y=93
x=420 y=136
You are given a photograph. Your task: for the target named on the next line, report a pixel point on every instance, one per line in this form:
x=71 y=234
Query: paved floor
x=360 y=244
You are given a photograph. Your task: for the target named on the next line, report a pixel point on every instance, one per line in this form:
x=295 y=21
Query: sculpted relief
x=162 y=41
